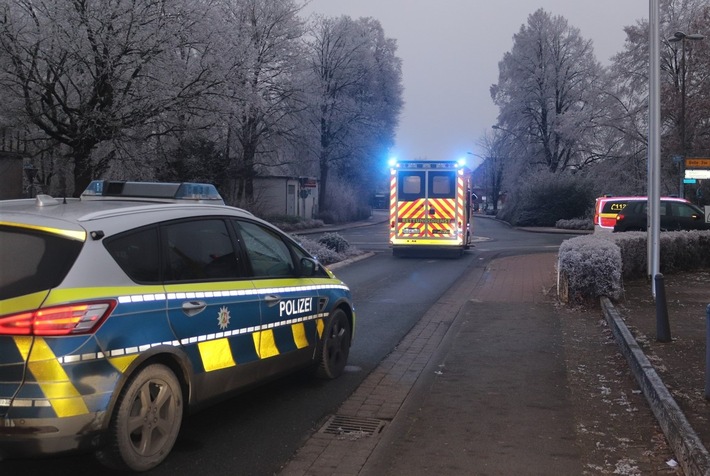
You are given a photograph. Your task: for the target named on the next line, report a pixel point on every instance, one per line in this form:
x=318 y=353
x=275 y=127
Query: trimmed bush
x=335 y=242
x=323 y=253
x=679 y=251
x=589 y=267
x=632 y=245
x=575 y=224
x=595 y=265
x=293 y=223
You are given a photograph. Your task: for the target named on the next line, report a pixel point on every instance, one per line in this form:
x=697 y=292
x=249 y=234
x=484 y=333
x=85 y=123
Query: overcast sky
x=450 y=51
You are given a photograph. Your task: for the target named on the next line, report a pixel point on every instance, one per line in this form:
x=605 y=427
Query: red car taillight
x=608 y=222
x=73 y=319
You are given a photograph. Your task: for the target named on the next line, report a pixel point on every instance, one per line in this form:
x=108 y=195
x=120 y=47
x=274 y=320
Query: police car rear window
x=33 y=261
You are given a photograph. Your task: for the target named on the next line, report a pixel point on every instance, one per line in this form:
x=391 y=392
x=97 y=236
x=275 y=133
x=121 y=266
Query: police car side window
x=200 y=250
x=267 y=252
x=136 y=252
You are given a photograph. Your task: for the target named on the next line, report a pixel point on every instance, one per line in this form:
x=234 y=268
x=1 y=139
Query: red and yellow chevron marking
x=411 y=216
x=393 y=205
x=442 y=223
x=460 y=196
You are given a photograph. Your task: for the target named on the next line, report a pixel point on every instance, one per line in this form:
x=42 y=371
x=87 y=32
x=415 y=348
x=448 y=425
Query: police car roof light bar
x=152 y=190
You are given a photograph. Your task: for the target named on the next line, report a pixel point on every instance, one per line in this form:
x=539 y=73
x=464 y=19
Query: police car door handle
x=192 y=308
x=272 y=300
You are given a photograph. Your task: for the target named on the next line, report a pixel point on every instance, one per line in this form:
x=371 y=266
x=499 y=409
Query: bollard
x=707 y=352
x=663 y=328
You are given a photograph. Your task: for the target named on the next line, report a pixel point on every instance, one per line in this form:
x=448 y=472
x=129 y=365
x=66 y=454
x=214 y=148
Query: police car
x=124 y=308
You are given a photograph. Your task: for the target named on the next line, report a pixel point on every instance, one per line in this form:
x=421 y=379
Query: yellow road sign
x=697 y=162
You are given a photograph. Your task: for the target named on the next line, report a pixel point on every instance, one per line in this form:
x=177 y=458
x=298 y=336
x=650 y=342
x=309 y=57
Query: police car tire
x=157 y=385
x=334 y=347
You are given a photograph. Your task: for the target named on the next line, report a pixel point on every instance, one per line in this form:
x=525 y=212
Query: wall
x=280 y=195
x=11 y=179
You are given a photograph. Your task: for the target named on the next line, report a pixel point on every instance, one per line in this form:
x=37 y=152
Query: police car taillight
x=72 y=319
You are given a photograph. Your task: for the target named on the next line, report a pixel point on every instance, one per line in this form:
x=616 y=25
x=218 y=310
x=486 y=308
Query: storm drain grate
x=352 y=426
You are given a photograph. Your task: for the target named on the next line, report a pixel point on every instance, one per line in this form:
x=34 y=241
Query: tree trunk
x=83 y=168
x=322 y=205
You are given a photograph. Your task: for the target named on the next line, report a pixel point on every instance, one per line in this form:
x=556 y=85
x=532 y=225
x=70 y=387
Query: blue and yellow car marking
x=58 y=392
x=51 y=377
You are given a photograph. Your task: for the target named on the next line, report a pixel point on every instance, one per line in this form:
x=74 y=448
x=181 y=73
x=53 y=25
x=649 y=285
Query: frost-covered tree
x=355 y=97
x=549 y=93
x=498 y=150
x=629 y=90
x=261 y=59
x=88 y=71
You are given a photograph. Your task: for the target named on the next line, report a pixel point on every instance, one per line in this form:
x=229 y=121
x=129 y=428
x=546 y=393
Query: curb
x=348 y=261
x=690 y=451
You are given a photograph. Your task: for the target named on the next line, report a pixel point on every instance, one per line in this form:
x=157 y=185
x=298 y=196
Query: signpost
x=698 y=163
x=697 y=168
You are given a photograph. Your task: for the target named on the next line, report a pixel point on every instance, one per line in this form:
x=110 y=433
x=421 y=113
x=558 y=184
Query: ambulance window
x=442 y=185
x=32 y=261
x=268 y=254
x=201 y=250
x=136 y=252
x=410 y=185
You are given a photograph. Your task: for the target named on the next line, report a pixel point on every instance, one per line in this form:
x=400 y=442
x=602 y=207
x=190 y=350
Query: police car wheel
x=146 y=421
x=335 y=346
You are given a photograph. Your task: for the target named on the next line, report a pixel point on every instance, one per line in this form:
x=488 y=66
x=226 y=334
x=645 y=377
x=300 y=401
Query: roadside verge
x=690 y=451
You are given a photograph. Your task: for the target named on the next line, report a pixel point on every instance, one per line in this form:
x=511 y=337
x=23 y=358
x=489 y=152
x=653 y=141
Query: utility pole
x=654 y=144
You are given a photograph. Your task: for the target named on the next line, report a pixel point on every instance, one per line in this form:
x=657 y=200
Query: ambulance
x=429 y=206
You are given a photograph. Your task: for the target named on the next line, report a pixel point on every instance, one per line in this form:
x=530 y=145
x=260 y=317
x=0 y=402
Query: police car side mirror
x=309 y=267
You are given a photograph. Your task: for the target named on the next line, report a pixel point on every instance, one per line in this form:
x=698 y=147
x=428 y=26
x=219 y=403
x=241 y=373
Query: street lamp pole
x=681 y=36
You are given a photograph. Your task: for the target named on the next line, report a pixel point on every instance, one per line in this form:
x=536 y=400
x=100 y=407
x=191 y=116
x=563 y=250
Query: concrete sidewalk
x=478 y=383
x=479 y=386
x=494 y=399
